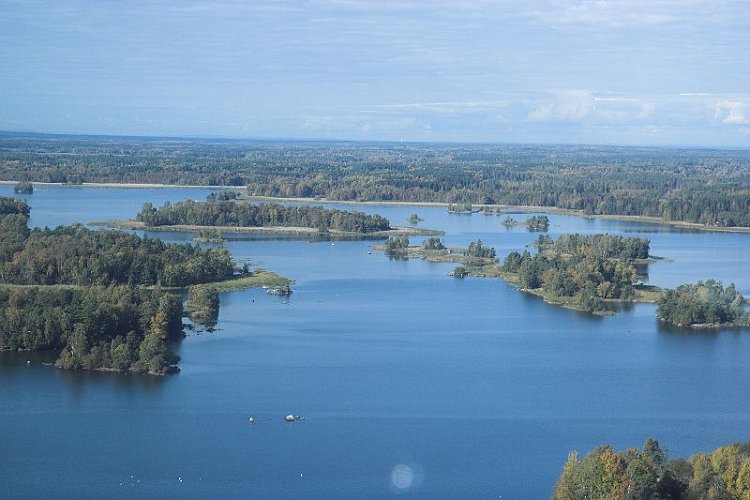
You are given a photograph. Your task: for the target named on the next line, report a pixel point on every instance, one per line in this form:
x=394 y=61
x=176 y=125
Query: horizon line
x=291 y=140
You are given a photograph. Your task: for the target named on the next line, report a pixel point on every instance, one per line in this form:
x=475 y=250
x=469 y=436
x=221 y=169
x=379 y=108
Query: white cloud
x=568 y=106
x=731 y=112
x=446 y=107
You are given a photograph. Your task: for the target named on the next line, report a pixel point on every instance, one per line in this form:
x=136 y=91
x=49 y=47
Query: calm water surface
x=412 y=384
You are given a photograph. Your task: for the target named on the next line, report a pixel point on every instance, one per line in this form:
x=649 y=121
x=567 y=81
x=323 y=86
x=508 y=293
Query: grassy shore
x=259 y=278
x=302 y=232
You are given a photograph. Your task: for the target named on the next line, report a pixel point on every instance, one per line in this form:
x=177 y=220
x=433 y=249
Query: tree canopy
x=700 y=185
x=229 y=213
x=703 y=303
x=649 y=474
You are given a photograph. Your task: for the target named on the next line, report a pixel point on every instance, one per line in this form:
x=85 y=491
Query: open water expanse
x=411 y=383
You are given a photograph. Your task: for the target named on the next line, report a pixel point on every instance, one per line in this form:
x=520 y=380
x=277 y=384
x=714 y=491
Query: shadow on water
x=686 y=331
x=79 y=382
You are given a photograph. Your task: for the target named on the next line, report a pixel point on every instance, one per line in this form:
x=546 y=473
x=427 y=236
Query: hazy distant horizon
x=641 y=73
x=313 y=140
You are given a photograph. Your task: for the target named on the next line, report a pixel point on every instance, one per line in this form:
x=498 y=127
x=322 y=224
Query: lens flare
x=402 y=477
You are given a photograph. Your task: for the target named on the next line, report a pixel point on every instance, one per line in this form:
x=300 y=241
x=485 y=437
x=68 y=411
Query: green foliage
x=460 y=208
x=480 y=250
x=228 y=213
x=114 y=328
x=397 y=244
x=602 y=245
x=203 y=304
x=509 y=221
x=459 y=272
x=702 y=303
x=223 y=196
x=23 y=187
x=587 y=268
x=433 y=243
x=414 y=219
x=537 y=223
x=12 y=206
x=74 y=255
x=631 y=474
x=705 y=186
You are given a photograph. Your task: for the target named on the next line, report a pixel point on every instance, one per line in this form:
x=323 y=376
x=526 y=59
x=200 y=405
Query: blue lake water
x=412 y=383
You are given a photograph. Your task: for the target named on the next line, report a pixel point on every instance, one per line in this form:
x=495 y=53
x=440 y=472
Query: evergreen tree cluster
x=537 y=223
x=588 y=268
x=397 y=244
x=649 y=474
x=705 y=302
x=433 y=243
x=74 y=255
x=480 y=250
x=228 y=213
x=23 y=187
x=606 y=246
x=119 y=328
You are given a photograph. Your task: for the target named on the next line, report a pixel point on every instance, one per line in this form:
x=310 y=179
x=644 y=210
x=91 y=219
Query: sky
x=642 y=72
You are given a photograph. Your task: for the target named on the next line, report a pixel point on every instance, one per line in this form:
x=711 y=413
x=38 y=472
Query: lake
x=412 y=383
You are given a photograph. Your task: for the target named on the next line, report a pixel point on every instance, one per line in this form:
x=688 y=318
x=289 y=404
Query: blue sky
x=604 y=72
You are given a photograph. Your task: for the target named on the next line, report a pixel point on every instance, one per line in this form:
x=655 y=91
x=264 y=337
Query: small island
x=476 y=257
x=585 y=273
x=706 y=304
x=582 y=272
x=225 y=212
x=414 y=219
x=23 y=187
x=534 y=224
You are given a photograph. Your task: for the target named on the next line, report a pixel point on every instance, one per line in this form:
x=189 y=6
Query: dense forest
x=84 y=293
x=587 y=269
x=74 y=255
x=118 y=328
x=704 y=303
x=694 y=185
x=214 y=212
x=650 y=474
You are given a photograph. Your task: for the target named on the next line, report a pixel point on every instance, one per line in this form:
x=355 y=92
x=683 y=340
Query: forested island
x=579 y=272
x=649 y=474
x=227 y=213
x=704 y=186
x=102 y=299
x=706 y=304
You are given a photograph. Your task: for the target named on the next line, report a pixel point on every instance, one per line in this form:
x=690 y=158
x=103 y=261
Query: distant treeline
x=229 y=213
x=704 y=186
x=649 y=474
x=112 y=328
x=587 y=268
